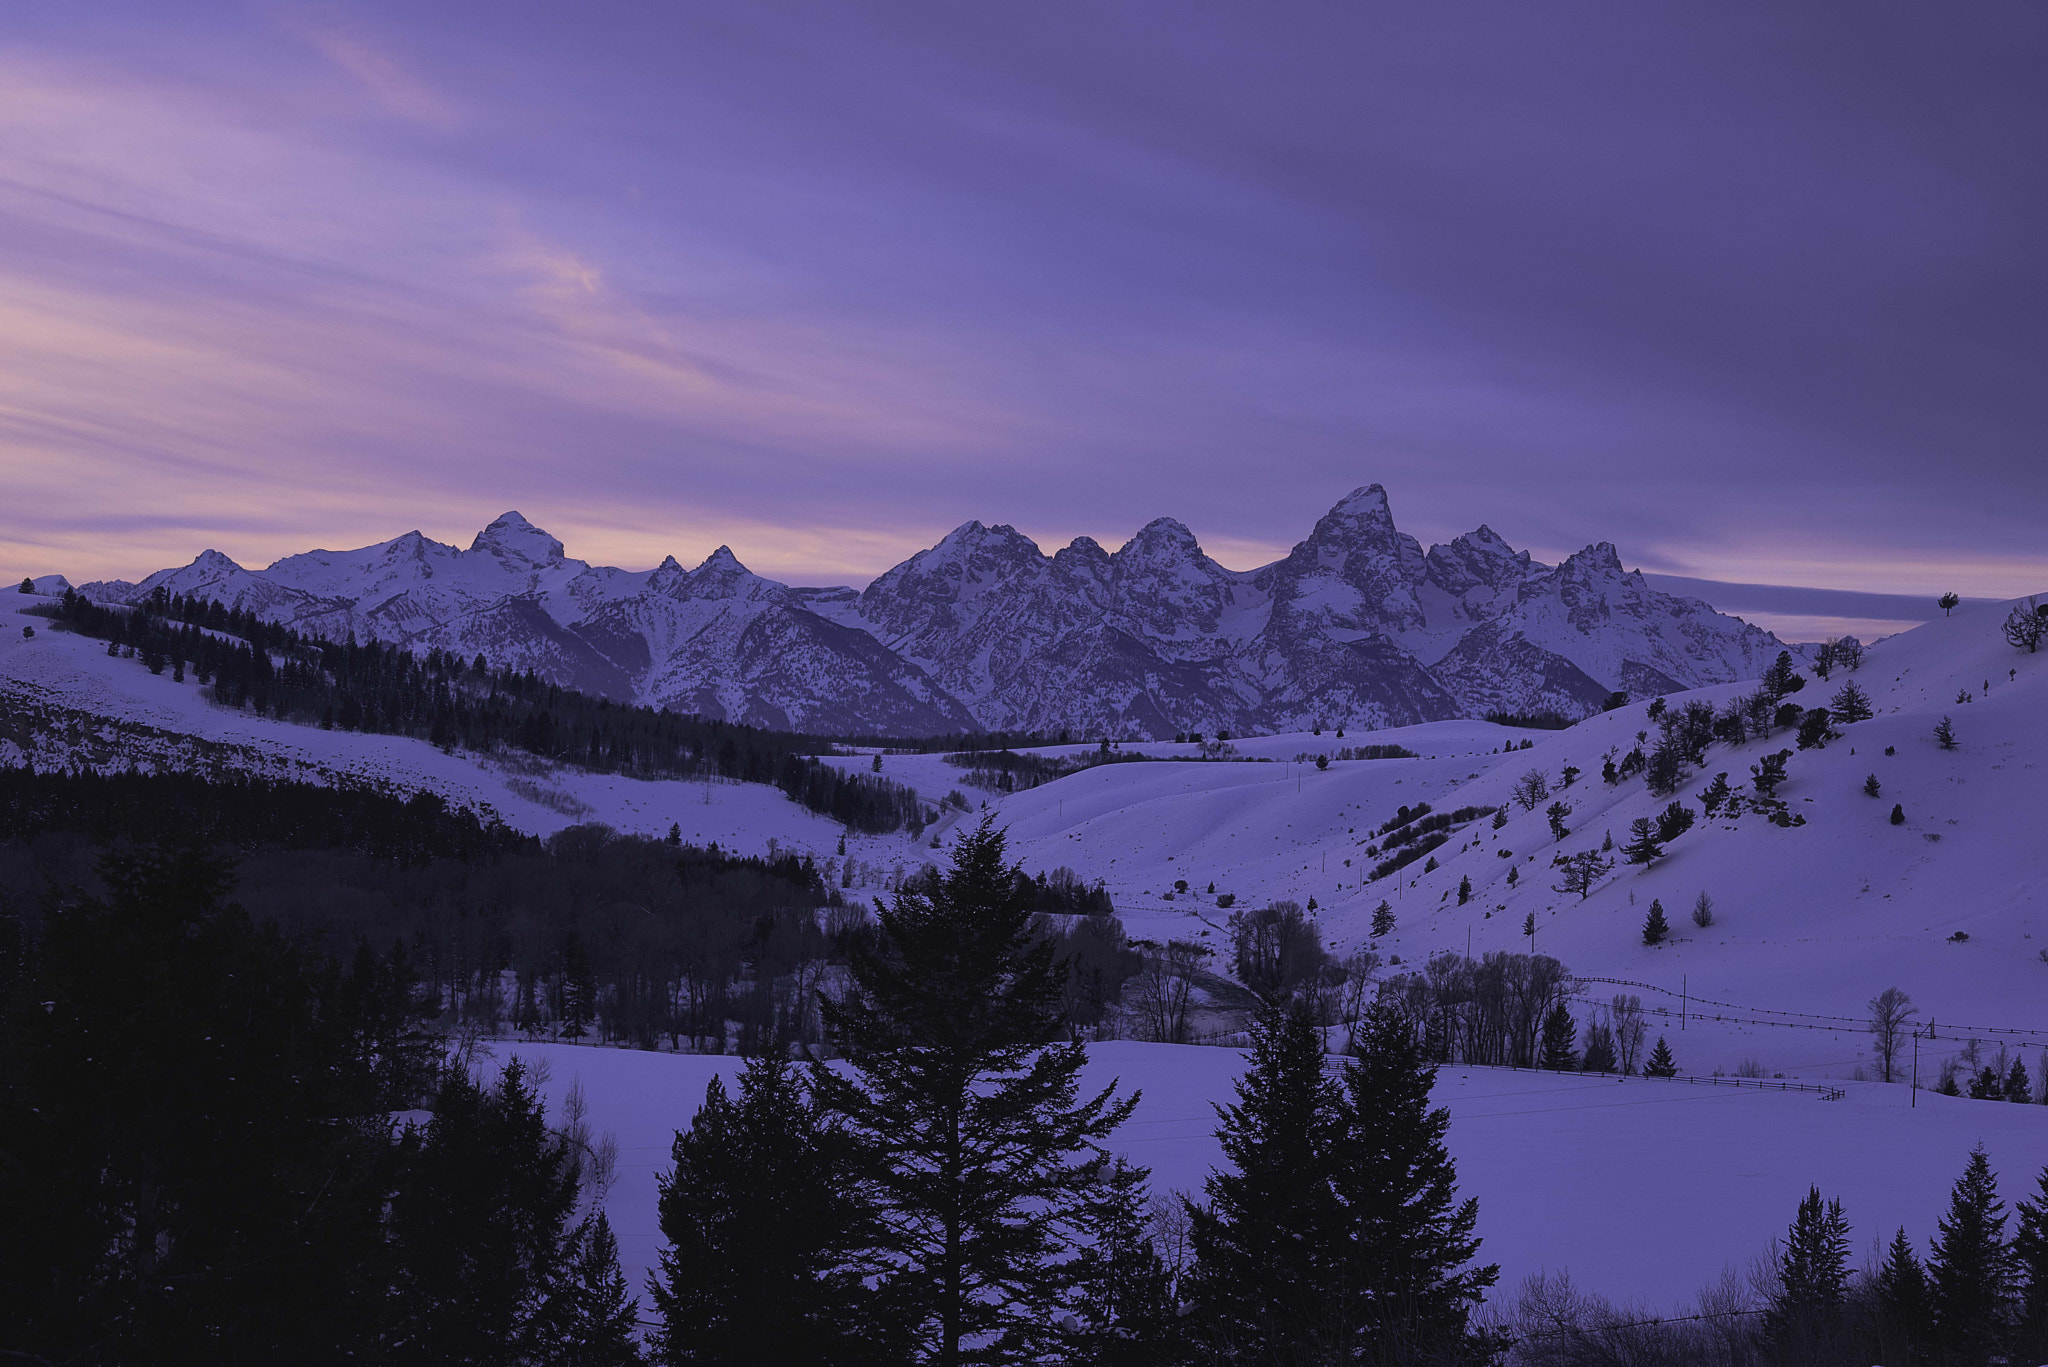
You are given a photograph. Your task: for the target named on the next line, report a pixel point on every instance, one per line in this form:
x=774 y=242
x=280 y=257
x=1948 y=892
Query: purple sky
x=1758 y=293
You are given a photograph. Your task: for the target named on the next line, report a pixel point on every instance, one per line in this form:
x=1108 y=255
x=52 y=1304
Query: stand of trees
x=441 y=698
x=588 y=934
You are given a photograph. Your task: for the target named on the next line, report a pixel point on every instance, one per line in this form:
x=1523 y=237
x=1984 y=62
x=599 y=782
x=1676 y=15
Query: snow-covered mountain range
x=1358 y=626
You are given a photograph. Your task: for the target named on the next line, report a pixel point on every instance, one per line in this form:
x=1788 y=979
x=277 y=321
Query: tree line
x=451 y=702
x=589 y=934
x=1978 y=1295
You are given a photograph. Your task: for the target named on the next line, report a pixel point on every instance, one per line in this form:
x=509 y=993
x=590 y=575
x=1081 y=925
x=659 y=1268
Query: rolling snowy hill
x=1357 y=626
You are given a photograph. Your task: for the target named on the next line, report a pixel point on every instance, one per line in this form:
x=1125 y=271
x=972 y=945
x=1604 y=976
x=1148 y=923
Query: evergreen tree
x=2016 y=1087
x=1557 y=812
x=1900 y=1293
x=1945 y=734
x=1660 y=1063
x=579 y=990
x=1559 y=1033
x=2030 y=1268
x=1464 y=890
x=1871 y=787
x=1261 y=1278
x=1643 y=846
x=1969 y=1267
x=1805 y=1313
x=594 y=1315
x=970 y=1112
x=1898 y=814
x=1383 y=918
x=1850 y=704
x=1405 y=1245
x=770 y=1233
x=1655 y=927
x=480 y=1219
x=1126 y=1315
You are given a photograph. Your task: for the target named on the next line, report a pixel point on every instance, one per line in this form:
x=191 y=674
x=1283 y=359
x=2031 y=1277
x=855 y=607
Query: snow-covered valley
x=1642 y=1189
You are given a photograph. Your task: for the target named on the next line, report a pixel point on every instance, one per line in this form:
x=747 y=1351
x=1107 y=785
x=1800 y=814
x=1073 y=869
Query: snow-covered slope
x=1813 y=918
x=1357 y=626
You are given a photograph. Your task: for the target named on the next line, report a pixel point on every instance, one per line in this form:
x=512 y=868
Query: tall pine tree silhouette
x=983 y=1145
x=1805 y=1314
x=1406 y=1282
x=481 y=1218
x=2030 y=1266
x=1970 y=1268
x=770 y=1233
x=1900 y=1292
x=1262 y=1281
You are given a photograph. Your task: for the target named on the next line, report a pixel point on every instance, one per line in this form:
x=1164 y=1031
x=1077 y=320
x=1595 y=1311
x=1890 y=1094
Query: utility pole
x=1684 y=998
x=1915 y=1102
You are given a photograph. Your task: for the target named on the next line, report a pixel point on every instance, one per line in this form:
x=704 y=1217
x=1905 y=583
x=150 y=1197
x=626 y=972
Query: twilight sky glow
x=1756 y=292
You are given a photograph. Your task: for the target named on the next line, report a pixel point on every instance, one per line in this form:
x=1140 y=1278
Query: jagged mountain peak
x=1365 y=501
x=1481 y=557
x=510 y=536
x=1599 y=558
x=211 y=559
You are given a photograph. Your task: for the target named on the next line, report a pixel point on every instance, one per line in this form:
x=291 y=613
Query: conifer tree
x=1464 y=890
x=1643 y=846
x=1557 y=812
x=1261 y=1275
x=595 y=1315
x=1850 y=704
x=1559 y=1034
x=1900 y=1292
x=1126 y=1315
x=1813 y=1274
x=1660 y=1063
x=2030 y=1269
x=2016 y=1086
x=970 y=1112
x=1655 y=927
x=480 y=1218
x=1383 y=918
x=1945 y=734
x=1969 y=1267
x=1406 y=1284
x=770 y=1233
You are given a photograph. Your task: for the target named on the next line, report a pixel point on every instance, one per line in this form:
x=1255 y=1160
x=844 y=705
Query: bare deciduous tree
x=1630 y=1029
x=1891 y=1012
x=1531 y=788
x=1162 y=990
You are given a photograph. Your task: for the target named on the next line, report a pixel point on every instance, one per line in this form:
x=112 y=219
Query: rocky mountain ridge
x=1357 y=626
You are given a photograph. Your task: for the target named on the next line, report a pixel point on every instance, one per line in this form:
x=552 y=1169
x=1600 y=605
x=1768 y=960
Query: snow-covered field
x=1644 y=1190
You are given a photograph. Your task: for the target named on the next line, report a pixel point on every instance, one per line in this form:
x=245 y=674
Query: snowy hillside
x=1357 y=626
x=1812 y=918
x=64 y=703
